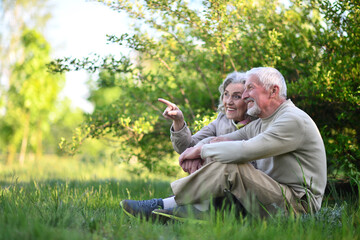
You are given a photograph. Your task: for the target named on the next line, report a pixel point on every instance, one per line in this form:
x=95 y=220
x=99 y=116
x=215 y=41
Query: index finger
x=170 y=104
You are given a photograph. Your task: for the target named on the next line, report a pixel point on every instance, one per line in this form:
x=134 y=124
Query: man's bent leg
x=255 y=190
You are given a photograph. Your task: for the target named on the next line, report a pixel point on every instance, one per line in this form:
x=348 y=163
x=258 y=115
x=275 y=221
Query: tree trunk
x=24 y=139
x=11 y=149
x=39 y=146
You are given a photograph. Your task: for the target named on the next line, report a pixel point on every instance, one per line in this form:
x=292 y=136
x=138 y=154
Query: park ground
x=66 y=198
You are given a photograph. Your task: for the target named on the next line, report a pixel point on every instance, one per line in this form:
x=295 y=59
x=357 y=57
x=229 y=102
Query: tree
x=33 y=89
x=13 y=15
x=183 y=54
x=332 y=97
x=28 y=90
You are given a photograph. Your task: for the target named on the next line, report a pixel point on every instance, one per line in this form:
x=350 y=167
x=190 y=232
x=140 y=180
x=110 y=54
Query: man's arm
x=193 y=153
x=284 y=135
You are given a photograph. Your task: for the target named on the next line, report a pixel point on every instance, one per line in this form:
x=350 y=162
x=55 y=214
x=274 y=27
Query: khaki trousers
x=258 y=193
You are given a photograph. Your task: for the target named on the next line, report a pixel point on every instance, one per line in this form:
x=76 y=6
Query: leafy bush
x=183 y=55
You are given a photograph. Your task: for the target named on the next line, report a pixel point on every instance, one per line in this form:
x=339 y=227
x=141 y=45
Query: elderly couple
x=262 y=149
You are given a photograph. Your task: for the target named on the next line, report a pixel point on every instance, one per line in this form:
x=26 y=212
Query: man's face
x=256 y=97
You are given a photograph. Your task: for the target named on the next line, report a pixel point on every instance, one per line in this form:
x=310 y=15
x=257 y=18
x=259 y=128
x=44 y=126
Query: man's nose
x=245 y=95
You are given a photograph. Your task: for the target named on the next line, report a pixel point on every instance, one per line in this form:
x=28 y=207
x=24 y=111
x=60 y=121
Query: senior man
x=285 y=142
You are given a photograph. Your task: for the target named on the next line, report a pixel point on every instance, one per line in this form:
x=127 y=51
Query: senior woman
x=232 y=116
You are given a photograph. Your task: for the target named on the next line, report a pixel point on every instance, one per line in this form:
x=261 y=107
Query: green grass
x=68 y=199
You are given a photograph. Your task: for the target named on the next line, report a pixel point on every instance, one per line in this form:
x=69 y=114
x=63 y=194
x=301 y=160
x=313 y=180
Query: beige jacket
x=183 y=139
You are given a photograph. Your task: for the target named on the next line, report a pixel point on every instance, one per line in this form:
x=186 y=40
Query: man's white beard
x=254 y=111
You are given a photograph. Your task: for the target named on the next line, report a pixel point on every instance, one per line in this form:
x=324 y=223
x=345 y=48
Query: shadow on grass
x=339 y=190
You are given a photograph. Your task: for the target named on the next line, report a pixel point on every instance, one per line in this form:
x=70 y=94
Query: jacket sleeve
x=284 y=135
x=232 y=135
x=182 y=139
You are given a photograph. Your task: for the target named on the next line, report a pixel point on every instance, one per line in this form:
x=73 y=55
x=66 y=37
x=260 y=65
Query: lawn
x=69 y=199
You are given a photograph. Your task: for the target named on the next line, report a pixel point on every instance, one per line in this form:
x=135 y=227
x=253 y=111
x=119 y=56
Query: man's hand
x=191 y=153
x=174 y=113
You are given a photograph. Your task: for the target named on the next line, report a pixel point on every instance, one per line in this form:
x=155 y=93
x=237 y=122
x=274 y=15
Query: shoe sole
x=180 y=219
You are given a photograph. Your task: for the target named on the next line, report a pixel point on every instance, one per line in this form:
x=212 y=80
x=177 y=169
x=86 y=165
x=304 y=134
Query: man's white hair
x=269 y=77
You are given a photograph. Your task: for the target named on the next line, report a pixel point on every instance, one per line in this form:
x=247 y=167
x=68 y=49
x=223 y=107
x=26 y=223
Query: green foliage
x=182 y=54
x=202 y=121
x=63 y=119
x=31 y=96
x=28 y=92
x=35 y=89
x=332 y=90
x=90 y=64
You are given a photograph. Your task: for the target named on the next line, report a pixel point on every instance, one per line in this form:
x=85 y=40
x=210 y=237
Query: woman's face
x=234 y=106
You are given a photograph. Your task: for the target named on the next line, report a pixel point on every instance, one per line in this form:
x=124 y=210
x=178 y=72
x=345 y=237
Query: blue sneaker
x=142 y=208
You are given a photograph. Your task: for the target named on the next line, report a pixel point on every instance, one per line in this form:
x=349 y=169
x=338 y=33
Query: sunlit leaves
x=91 y=64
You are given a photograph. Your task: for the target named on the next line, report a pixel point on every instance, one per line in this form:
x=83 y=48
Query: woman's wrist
x=178 y=125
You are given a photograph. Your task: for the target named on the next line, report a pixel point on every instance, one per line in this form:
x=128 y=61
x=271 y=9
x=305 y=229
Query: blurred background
x=35 y=102
x=80 y=79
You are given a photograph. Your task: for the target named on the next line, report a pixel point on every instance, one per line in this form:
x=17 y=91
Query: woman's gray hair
x=269 y=77
x=234 y=77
